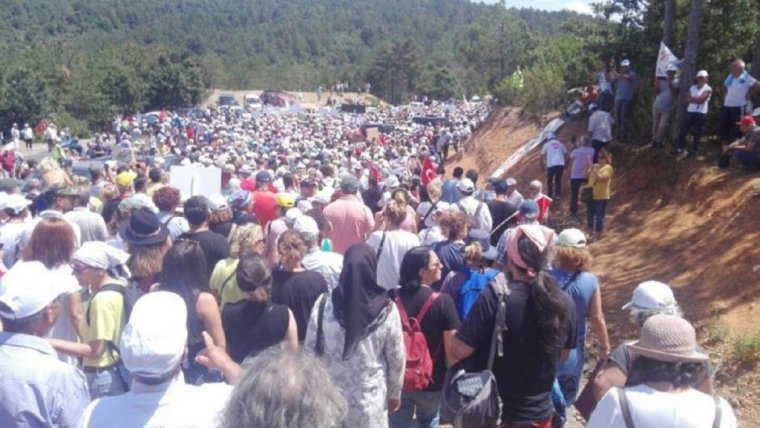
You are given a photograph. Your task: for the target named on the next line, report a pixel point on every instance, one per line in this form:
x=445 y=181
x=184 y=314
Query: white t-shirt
x=397 y=244
x=736 y=92
x=695 y=92
x=555 y=153
x=172 y=405
x=652 y=408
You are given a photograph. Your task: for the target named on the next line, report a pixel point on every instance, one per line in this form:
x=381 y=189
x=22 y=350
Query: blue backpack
x=471 y=288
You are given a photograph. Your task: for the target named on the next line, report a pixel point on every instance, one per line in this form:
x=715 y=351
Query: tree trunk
x=755 y=70
x=667 y=25
x=689 y=68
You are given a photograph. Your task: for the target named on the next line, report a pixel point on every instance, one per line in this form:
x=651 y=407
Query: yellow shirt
x=153 y=188
x=601 y=179
x=106 y=311
x=224 y=282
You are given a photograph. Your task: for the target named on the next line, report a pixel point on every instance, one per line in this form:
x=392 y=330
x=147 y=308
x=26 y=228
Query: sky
x=580 y=6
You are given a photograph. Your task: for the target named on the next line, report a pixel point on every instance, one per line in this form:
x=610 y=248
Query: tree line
x=80 y=62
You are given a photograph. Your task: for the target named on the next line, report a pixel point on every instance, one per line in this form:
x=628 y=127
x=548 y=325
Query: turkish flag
x=428 y=171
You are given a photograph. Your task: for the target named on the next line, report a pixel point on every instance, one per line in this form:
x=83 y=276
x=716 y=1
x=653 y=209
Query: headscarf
x=100 y=255
x=357 y=300
x=542 y=237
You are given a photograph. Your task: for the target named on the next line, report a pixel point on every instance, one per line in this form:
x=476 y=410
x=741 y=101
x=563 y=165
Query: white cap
x=466 y=185
x=26 y=289
x=153 y=341
x=217 y=202
x=572 y=238
x=392 y=182
x=306 y=225
x=511 y=181
x=756 y=112
x=652 y=295
x=293 y=214
x=625 y=63
x=702 y=73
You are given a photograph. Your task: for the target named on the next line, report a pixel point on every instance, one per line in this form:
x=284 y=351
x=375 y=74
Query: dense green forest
x=80 y=62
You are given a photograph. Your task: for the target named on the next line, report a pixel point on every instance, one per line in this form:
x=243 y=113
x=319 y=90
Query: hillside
x=79 y=63
x=684 y=223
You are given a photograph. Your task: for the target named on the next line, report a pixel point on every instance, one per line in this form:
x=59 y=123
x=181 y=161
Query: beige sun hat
x=668 y=338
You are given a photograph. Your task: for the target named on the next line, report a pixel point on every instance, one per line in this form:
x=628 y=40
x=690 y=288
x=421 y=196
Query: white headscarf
x=100 y=255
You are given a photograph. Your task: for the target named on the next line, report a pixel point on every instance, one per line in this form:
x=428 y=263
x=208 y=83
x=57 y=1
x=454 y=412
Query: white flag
x=664 y=59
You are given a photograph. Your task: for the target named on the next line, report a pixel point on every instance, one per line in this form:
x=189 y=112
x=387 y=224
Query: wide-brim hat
x=143 y=228
x=668 y=338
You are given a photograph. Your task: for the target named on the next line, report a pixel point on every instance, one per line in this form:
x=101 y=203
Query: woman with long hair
x=391 y=242
x=438 y=321
x=255 y=323
x=183 y=272
x=540 y=330
x=356 y=331
x=147 y=242
x=247 y=238
x=294 y=286
x=100 y=269
x=52 y=243
x=572 y=262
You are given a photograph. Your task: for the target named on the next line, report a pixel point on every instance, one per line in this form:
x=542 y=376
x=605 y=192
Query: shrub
x=747 y=348
x=717 y=331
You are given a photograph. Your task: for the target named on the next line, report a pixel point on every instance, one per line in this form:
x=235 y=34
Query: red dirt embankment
x=684 y=223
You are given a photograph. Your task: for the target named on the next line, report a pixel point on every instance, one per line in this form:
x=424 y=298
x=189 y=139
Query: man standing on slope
x=554 y=153
x=599 y=129
x=626 y=84
x=740 y=87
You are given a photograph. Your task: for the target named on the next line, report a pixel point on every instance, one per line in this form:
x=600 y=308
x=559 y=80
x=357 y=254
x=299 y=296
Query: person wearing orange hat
x=747 y=148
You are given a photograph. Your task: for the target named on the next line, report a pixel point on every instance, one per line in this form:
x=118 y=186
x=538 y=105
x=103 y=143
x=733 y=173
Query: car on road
x=253 y=102
x=227 y=100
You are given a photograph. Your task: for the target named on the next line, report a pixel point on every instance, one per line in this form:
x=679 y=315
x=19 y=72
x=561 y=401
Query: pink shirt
x=351 y=220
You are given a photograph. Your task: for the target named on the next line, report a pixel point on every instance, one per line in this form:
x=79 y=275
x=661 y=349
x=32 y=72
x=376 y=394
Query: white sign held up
x=196 y=180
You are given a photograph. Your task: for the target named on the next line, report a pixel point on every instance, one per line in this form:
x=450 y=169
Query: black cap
x=263 y=177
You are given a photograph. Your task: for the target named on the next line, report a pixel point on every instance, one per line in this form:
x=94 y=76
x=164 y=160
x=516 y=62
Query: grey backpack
x=471 y=399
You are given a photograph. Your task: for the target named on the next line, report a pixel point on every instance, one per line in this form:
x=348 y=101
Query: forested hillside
x=83 y=61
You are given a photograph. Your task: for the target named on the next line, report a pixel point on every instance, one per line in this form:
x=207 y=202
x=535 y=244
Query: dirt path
x=685 y=223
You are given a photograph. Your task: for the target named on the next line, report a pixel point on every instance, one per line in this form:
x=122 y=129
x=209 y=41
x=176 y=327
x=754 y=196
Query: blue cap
x=529 y=209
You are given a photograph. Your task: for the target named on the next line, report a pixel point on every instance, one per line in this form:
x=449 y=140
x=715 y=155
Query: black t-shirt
x=371 y=199
x=251 y=327
x=526 y=372
x=441 y=316
x=500 y=211
x=223 y=229
x=215 y=247
x=298 y=291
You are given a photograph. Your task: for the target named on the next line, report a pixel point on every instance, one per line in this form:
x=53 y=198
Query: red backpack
x=419 y=363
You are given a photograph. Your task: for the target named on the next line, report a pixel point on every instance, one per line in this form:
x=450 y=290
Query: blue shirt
x=37 y=389
x=581 y=289
x=449 y=191
x=625 y=87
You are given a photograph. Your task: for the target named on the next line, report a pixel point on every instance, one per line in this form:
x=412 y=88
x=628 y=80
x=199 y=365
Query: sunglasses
x=79 y=269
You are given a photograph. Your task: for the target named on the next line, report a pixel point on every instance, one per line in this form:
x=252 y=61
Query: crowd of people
x=335 y=280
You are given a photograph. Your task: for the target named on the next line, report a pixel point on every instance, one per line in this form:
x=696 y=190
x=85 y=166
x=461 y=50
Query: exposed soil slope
x=685 y=223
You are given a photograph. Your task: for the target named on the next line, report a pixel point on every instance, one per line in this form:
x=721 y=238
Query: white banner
x=664 y=59
x=196 y=180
